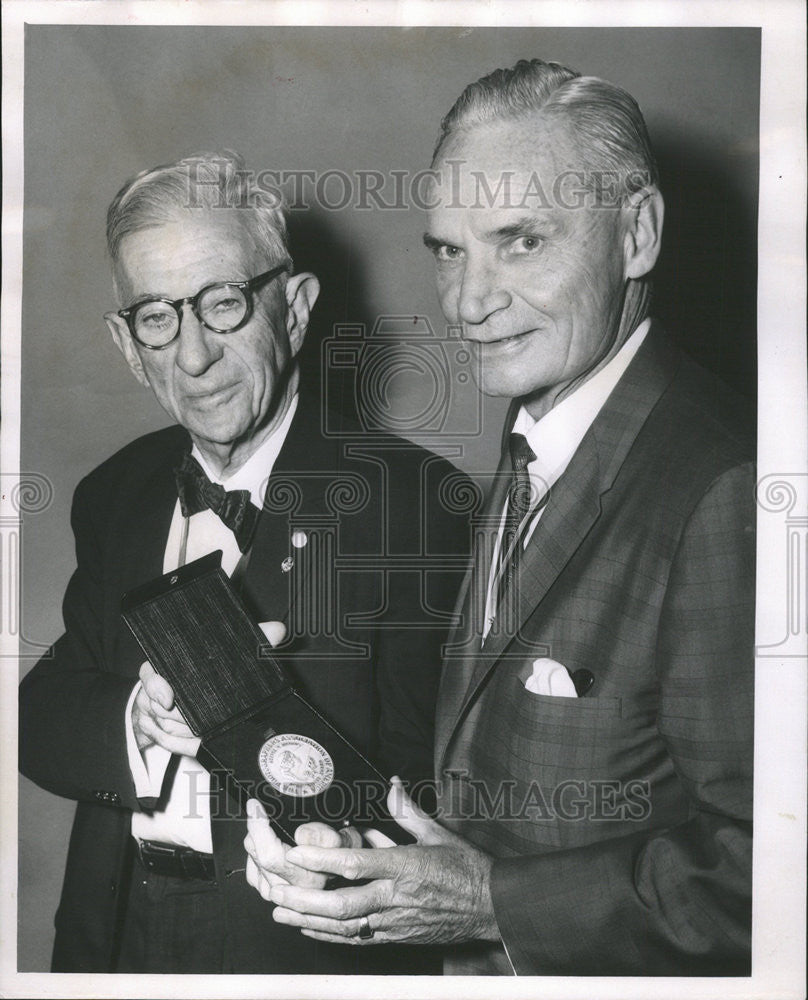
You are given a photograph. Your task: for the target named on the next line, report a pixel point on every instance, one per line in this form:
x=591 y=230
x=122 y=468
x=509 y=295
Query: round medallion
x=296 y=765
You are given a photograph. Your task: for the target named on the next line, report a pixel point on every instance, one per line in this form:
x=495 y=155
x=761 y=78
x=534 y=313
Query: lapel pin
x=287 y=564
x=299 y=539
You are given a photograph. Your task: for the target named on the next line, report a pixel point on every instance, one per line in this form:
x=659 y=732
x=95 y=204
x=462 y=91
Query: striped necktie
x=519 y=506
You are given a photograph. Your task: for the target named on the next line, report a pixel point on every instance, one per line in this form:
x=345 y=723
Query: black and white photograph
x=403 y=499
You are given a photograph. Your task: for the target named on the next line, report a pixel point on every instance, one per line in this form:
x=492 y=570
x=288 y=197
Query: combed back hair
x=605 y=119
x=204 y=182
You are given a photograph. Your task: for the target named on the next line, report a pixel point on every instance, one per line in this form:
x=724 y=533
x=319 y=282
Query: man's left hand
x=267 y=863
x=434 y=892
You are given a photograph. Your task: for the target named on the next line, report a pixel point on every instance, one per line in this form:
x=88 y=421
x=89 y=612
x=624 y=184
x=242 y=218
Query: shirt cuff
x=148 y=767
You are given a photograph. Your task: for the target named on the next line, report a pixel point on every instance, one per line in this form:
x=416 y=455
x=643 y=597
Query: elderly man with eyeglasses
x=212 y=320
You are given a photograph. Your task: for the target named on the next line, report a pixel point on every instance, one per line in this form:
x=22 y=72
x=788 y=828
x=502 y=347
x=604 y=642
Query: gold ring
x=366 y=932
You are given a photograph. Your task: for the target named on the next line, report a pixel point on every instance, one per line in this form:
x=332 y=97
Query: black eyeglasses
x=222 y=307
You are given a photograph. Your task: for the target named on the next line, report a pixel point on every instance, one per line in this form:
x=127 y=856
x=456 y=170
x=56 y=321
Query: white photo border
x=781 y=689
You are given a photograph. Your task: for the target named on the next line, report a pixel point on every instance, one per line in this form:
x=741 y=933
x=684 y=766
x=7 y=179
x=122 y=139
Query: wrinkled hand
x=434 y=892
x=156 y=719
x=267 y=863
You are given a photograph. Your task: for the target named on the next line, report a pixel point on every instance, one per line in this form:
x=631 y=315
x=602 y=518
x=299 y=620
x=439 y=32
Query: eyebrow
x=433 y=243
x=151 y=297
x=525 y=223
x=165 y=297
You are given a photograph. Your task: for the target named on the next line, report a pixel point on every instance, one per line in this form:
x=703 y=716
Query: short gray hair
x=605 y=119
x=207 y=181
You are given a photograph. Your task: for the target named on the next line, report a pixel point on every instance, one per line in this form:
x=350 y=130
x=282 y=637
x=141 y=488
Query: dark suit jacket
x=620 y=820
x=368 y=656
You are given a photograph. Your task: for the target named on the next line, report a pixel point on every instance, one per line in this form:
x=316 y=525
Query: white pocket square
x=274 y=631
x=550 y=677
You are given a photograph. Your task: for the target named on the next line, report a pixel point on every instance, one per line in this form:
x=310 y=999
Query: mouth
x=211 y=396
x=500 y=343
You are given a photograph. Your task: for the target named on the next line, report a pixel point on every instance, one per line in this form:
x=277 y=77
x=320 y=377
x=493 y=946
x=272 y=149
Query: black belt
x=176 y=862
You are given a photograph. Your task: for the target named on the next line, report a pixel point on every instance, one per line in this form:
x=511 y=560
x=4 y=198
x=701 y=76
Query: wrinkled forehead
x=187 y=250
x=527 y=162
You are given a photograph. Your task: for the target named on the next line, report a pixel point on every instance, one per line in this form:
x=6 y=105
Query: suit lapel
x=571 y=512
x=462 y=650
x=147 y=498
x=296 y=489
x=156 y=494
x=572 y=509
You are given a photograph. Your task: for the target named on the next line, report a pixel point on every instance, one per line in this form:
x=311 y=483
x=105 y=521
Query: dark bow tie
x=197 y=493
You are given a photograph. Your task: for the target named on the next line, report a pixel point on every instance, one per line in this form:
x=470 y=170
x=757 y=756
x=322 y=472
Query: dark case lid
x=196 y=633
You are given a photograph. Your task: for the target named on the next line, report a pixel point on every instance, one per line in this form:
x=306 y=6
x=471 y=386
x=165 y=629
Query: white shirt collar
x=555 y=438
x=254 y=473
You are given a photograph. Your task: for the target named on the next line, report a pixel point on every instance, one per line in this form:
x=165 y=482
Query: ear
x=643 y=215
x=123 y=341
x=301 y=294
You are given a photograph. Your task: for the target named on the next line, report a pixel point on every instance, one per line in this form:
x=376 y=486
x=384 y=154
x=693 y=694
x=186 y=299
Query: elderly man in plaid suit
x=594 y=732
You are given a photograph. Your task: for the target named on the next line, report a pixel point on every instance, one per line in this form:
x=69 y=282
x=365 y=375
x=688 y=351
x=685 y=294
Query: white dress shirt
x=185 y=820
x=554 y=439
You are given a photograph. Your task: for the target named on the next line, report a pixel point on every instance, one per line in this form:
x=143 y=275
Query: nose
x=198 y=347
x=481 y=293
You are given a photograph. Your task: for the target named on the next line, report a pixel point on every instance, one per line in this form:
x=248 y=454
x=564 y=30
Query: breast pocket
x=569 y=764
x=559 y=736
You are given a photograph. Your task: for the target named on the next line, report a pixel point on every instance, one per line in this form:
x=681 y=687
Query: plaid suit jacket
x=621 y=820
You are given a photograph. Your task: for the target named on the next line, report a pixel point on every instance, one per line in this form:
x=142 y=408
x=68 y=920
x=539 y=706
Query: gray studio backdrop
x=102 y=103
